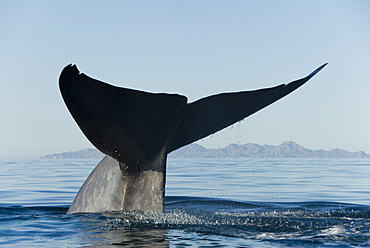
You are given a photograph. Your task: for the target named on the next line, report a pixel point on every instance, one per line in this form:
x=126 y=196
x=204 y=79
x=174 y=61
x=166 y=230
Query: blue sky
x=195 y=48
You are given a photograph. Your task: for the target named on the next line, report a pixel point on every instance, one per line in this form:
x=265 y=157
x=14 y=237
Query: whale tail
x=137 y=130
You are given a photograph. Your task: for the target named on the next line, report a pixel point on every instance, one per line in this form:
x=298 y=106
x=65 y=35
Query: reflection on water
x=140 y=238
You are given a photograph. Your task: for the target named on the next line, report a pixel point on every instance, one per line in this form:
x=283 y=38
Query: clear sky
x=195 y=48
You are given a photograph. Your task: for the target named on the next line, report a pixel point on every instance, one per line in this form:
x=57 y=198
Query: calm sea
x=209 y=203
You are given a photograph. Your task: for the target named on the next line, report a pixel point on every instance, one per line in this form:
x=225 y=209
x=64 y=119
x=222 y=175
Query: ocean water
x=209 y=203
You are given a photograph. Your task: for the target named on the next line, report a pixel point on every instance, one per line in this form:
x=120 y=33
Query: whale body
x=137 y=129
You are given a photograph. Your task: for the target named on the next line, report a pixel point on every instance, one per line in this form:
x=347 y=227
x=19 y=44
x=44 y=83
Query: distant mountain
x=82 y=154
x=288 y=149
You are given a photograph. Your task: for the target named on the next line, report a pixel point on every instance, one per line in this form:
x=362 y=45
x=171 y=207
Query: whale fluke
x=211 y=114
x=137 y=129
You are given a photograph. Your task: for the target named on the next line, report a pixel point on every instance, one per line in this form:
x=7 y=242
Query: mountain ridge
x=287 y=149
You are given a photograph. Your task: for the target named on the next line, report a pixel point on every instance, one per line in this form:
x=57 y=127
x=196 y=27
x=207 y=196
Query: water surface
x=209 y=203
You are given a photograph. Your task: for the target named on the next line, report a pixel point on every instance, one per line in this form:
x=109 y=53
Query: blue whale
x=137 y=129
